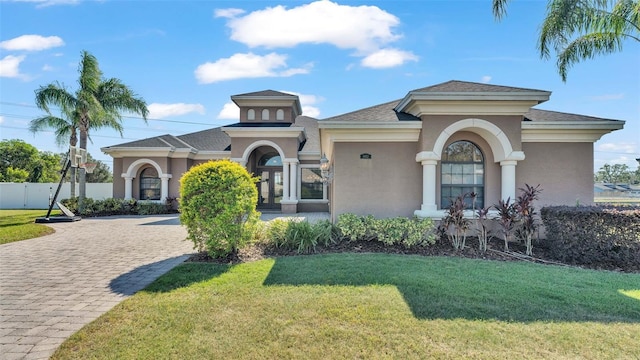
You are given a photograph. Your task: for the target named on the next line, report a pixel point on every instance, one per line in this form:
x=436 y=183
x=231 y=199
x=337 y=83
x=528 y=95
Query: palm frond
x=585 y=47
x=499 y=9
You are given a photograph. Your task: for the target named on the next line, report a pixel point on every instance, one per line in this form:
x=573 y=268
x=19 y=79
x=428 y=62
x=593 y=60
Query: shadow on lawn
x=471 y=289
x=135 y=280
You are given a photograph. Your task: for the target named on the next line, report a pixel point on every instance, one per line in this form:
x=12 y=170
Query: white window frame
x=324 y=199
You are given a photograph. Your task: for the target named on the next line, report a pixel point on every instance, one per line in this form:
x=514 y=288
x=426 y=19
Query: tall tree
x=97 y=103
x=581 y=29
x=65 y=127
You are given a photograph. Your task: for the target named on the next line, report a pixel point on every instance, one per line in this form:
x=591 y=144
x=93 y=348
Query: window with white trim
x=280 y=114
x=149 y=184
x=311 y=186
x=462 y=172
x=265 y=114
x=251 y=114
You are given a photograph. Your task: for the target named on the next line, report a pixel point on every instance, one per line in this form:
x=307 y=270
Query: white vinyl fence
x=37 y=195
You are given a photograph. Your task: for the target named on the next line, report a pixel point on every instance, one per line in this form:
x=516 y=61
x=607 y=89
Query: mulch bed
x=440 y=248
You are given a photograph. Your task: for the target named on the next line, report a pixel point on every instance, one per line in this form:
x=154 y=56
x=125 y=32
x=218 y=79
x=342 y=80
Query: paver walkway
x=52 y=286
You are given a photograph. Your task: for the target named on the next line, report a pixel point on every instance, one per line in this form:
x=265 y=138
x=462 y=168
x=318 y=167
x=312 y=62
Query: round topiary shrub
x=218 y=206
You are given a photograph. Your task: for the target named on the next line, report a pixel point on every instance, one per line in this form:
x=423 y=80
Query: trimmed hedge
x=392 y=231
x=595 y=236
x=114 y=206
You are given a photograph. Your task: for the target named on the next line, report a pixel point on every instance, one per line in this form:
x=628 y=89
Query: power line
x=124 y=116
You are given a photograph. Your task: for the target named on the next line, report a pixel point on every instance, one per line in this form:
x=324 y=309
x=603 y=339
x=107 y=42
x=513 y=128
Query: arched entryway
x=271 y=184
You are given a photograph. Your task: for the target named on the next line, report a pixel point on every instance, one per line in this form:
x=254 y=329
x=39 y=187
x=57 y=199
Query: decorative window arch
x=251 y=114
x=150 y=184
x=270 y=159
x=462 y=172
x=265 y=114
x=280 y=114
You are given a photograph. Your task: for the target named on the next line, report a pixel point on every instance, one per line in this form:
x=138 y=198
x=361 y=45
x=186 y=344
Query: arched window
x=280 y=114
x=251 y=114
x=149 y=184
x=270 y=159
x=462 y=173
x=265 y=114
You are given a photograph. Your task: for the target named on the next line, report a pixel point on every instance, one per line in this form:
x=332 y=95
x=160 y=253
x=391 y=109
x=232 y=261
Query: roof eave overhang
x=172 y=152
x=454 y=103
x=568 y=131
x=266 y=132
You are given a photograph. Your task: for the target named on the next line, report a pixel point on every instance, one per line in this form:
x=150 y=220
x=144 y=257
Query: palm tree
x=66 y=130
x=581 y=29
x=96 y=104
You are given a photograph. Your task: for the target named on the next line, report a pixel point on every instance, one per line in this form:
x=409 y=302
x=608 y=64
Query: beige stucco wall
x=288 y=145
x=288 y=114
x=387 y=185
x=492 y=171
x=433 y=125
x=178 y=167
x=563 y=170
x=118 y=180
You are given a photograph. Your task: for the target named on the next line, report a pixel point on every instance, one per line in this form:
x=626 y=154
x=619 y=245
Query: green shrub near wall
x=114 y=206
x=597 y=236
x=218 y=206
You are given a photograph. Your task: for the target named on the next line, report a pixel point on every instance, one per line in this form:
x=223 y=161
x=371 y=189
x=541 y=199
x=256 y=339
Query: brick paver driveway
x=52 y=286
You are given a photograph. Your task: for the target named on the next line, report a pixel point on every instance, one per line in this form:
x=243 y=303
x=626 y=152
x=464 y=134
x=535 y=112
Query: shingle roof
x=313 y=134
x=383 y=113
x=547 y=115
x=265 y=93
x=456 y=86
x=208 y=140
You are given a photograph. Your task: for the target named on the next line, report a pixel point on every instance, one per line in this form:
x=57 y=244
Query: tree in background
x=581 y=29
x=22 y=162
x=97 y=103
x=617 y=174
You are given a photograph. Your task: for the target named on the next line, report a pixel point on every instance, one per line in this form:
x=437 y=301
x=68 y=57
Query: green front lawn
x=16 y=225
x=370 y=306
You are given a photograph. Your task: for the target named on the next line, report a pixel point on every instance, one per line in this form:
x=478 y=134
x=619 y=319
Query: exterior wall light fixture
x=325 y=168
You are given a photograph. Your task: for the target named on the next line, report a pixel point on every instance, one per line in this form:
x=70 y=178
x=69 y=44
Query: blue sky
x=186 y=58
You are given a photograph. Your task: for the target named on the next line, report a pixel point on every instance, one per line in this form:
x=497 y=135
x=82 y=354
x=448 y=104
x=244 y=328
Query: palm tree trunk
x=83 y=175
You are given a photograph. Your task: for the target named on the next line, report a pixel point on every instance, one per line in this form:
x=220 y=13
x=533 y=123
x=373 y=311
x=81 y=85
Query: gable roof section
x=265 y=93
x=312 y=144
x=207 y=140
x=379 y=113
x=457 y=86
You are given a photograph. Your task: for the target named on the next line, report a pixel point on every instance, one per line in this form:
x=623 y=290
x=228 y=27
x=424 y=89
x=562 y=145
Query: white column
x=429 y=186
x=294 y=181
x=508 y=179
x=285 y=180
x=128 y=187
x=164 y=186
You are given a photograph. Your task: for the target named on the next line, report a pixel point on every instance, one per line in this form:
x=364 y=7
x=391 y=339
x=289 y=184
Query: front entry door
x=270 y=189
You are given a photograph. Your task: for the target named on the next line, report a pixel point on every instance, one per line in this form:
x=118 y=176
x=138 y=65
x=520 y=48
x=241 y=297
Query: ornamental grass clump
x=218 y=206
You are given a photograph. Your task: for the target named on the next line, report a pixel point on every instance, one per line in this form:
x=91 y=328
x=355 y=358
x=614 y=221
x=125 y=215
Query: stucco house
x=404 y=157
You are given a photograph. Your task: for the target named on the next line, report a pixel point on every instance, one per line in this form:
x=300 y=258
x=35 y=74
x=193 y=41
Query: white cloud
x=248 y=65
x=9 y=66
x=307 y=102
x=47 y=67
x=1 y=119
x=159 y=111
x=606 y=97
x=622 y=147
x=45 y=3
x=386 y=58
x=364 y=28
x=486 y=79
x=31 y=43
x=229 y=111
x=227 y=13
